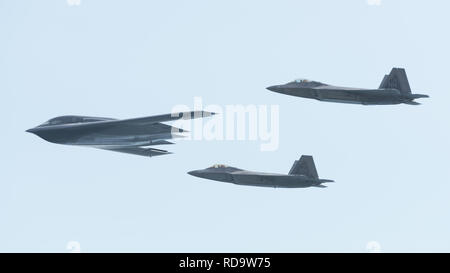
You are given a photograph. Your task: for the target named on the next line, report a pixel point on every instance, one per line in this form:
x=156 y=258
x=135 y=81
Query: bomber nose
x=274 y=88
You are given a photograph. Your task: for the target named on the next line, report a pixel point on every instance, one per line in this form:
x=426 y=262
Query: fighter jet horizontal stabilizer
x=326 y=181
x=412 y=103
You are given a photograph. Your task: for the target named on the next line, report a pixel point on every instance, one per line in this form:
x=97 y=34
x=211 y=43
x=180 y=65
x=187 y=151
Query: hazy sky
x=127 y=59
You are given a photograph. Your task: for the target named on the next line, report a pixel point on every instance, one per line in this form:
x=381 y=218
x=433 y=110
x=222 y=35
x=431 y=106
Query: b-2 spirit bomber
x=132 y=136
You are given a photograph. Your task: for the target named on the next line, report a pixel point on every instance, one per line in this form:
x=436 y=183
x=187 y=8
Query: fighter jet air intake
x=394 y=89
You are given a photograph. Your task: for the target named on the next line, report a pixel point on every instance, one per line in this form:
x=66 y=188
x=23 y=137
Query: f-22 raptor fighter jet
x=303 y=174
x=394 y=89
x=132 y=136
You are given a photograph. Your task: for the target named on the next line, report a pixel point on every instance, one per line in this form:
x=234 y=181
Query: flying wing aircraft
x=132 y=136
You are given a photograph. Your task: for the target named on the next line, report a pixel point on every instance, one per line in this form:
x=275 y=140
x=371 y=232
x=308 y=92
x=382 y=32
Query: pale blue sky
x=128 y=59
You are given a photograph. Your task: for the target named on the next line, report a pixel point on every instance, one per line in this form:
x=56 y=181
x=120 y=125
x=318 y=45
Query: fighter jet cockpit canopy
x=301 y=80
x=307 y=83
x=217 y=166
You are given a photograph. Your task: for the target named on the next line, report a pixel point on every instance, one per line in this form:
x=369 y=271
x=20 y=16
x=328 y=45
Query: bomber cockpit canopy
x=71 y=119
x=62 y=120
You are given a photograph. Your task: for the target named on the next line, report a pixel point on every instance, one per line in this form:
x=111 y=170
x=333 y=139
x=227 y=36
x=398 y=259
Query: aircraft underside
x=112 y=141
x=348 y=97
x=275 y=181
x=363 y=102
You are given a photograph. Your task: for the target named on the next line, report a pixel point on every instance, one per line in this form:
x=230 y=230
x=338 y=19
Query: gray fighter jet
x=132 y=136
x=394 y=89
x=303 y=174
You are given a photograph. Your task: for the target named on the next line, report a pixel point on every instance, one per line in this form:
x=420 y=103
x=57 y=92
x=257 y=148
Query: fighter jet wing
x=341 y=93
x=138 y=151
x=343 y=90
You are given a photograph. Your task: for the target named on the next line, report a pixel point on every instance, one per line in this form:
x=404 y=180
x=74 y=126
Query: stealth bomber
x=394 y=89
x=132 y=136
x=303 y=174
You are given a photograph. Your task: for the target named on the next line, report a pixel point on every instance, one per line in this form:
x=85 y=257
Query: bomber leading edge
x=394 y=89
x=132 y=136
x=303 y=174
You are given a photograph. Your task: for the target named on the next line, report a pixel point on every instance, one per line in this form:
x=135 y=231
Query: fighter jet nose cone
x=194 y=173
x=273 y=88
x=30 y=130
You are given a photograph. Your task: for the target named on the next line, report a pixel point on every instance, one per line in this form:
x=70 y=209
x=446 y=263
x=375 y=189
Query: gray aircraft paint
x=303 y=174
x=132 y=136
x=394 y=89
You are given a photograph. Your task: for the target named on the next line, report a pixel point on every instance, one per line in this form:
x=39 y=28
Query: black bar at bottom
x=221 y=262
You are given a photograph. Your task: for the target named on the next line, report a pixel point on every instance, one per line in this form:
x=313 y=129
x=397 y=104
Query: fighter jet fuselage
x=394 y=89
x=302 y=175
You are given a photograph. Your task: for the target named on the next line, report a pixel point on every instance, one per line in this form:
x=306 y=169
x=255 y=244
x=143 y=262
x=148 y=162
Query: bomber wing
x=138 y=151
x=166 y=117
x=151 y=120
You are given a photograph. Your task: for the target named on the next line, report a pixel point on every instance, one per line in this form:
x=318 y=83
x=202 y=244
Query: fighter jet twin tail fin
x=397 y=79
x=305 y=166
